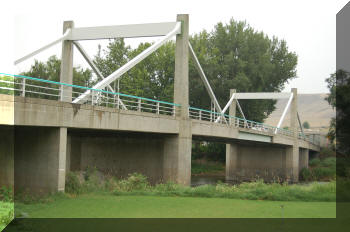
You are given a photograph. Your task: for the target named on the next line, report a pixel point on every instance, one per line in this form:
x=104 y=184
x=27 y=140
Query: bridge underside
x=51 y=138
x=42 y=156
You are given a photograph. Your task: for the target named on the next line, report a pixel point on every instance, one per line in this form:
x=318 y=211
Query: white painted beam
x=123 y=31
x=64 y=37
x=94 y=68
x=284 y=113
x=118 y=73
x=261 y=95
x=226 y=107
x=240 y=110
x=204 y=79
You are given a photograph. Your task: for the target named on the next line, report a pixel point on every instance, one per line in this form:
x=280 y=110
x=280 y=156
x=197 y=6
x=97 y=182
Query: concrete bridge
x=57 y=127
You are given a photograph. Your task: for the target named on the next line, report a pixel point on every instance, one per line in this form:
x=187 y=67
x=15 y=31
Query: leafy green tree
x=50 y=70
x=235 y=56
x=152 y=78
x=339 y=98
x=306 y=125
x=6 y=82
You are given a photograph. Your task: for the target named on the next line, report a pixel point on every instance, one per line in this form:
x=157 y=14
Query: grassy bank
x=320 y=170
x=207 y=168
x=111 y=206
x=247 y=191
x=6 y=213
x=137 y=184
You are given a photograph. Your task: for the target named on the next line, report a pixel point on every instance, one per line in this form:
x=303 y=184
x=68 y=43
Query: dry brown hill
x=311 y=107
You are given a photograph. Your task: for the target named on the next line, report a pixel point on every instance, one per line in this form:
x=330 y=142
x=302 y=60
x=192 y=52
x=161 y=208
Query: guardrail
x=25 y=86
x=211 y=116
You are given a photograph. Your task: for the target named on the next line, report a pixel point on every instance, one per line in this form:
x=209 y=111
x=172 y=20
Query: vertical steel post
x=139 y=105
x=23 y=87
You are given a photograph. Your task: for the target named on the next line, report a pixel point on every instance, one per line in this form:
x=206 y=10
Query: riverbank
x=103 y=205
x=6 y=213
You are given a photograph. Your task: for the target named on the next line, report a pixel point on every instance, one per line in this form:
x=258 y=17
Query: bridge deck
x=51 y=113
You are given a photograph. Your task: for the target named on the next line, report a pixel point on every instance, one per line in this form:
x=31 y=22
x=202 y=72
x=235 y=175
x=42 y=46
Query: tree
x=339 y=98
x=233 y=56
x=306 y=125
x=50 y=70
x=6 y=84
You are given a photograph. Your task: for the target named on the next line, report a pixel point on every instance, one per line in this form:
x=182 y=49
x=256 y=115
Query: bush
x=6 y=194
x=323 y=172
x=73 y=184
x=329 y=162
x=134 y=182
x=326 y=152
x=306 y=174
x=314 y=162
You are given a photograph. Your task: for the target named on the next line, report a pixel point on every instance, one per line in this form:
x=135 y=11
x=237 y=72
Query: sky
x=309 y=28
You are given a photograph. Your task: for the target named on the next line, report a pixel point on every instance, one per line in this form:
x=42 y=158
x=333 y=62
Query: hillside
x=311 y=107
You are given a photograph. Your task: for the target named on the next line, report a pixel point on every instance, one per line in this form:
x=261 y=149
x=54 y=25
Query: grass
x=6 y=213
x=320 y=170
x=99 y=205
x=206 y=168
x=258 y=190
x=137 y=184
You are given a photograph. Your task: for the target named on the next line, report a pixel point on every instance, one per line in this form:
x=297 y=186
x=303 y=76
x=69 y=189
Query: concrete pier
x=40 y=159
x=6 y=156
x=256 y=160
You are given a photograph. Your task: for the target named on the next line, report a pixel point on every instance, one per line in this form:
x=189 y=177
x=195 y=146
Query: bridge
x=57 y=127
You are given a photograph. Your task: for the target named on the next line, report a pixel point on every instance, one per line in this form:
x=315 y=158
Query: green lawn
x=110 y=206
x=5 y=208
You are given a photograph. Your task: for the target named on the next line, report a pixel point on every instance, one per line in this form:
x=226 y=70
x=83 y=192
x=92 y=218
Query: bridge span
x=57 y=127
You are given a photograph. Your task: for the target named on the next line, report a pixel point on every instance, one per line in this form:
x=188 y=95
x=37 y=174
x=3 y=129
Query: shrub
x=327 y=152
x=306 y=174
x=73 y=184
x=134 y=182
x=6 y=194
x=323 y=172
x=329 y=162
x=314 y=162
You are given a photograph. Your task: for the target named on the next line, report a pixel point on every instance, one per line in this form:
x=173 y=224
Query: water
x=202 y=180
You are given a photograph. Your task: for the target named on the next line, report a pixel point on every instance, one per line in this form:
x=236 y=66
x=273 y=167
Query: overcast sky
x=309 y=27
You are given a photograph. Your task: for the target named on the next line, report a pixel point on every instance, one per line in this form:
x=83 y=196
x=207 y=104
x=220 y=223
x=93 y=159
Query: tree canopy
x=339 y=98
x=232 y=55
x=306 y=125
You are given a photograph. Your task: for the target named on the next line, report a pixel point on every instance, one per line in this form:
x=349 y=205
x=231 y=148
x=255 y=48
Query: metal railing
x=24 y=86
x=212 y=116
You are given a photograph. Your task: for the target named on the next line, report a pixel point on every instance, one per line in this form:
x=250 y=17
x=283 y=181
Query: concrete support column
x=40 y=159
x=66 y=75
x=177 y=149
x=6 y=156
x=181 y=89
x=232 y=162
x=232 y=109
x=292 y=153
x=177 y=156
x=232 y=149
x=62 y=152
x=303 y=158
